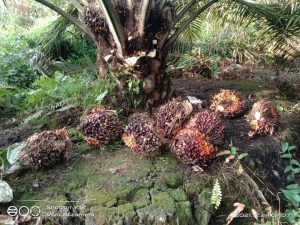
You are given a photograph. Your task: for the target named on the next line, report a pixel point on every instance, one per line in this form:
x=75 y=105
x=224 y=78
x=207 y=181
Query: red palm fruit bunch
x=192 y=147
x=228 y=103
x=262 y=118
x=140 y=137
x=208 y=123
x=169 y=119
x=100 y=126
x=46 y=149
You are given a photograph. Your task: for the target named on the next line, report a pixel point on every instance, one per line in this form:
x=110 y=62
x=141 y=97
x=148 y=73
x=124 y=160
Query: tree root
x=256 y=188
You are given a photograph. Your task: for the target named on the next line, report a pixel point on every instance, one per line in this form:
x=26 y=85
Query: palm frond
x=114 y=24
x=183 y=26
x=57 y=43
x=144 y=14
x=277 y=22
x=193 y=31
x=77 y=4
x=49 y=44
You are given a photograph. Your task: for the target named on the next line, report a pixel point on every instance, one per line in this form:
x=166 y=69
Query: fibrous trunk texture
x=138 y=45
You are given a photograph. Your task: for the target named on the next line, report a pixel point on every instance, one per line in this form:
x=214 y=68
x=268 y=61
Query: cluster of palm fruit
x=193 y=147
x=170 y=117
x=209 y=123
x=101 y=126
x=95 y=21
x=45 y=149
x=140 y=137
x=229 y=103
x=262 y=118
x=93 y=17
x=192 y=135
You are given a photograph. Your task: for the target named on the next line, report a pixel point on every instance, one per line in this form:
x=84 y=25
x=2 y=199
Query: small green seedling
x=233 y=153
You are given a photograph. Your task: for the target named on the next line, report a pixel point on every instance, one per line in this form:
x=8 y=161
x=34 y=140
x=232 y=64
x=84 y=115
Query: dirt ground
x=264 y=150
x=126 y=189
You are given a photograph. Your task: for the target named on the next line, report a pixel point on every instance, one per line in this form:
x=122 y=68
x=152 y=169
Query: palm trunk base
x=162 y=92
x=155 y=85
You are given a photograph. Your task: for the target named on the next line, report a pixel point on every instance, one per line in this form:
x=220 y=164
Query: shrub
x=10 y=100
x=15 y=55
x=61 y=90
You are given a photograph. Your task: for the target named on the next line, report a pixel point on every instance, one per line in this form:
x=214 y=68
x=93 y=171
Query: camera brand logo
x=12 y=211
x=23 y=211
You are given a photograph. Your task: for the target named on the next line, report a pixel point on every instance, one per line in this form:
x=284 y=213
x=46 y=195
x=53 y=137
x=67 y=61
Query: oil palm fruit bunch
x=208 y=123
x=262 y=118
x=101 y=126
x=170 y=117
x=229 y=103
x=94 y=19
x=192 y=147
x=45 y=149
x=140 y=137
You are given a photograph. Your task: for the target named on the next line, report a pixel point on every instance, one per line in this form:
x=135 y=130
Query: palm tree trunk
x=134 y=36
x=148 y=69
x=128 y=39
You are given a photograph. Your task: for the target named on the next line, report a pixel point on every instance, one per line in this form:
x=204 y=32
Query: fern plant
x=216 y=196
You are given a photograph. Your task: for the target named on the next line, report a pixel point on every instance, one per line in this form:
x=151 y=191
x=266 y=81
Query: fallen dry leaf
x=240 y=170
x=254 y=213
x=197 y=169
x=229 y=158
x=268 y=209
x=239 y=208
